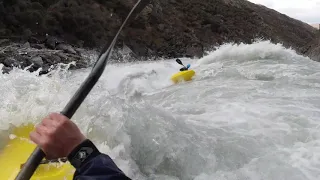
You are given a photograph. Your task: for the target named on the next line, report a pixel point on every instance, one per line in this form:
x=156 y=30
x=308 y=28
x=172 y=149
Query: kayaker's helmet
x=188 y=66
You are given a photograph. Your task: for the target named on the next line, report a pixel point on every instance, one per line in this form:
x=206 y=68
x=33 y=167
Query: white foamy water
x=251 y=113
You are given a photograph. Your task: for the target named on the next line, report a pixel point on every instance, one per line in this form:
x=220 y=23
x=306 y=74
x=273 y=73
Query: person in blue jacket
x=59 y=137
x=185 y=68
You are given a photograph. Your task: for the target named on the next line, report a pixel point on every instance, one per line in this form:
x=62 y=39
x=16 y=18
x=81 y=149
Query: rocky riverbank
x=48 y=53
x=312 y=50
x=34 y=56
x=165 y=28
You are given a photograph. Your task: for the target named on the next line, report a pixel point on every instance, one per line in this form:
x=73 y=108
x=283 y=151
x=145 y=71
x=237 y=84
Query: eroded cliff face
x=312 y=50
x=167 y=28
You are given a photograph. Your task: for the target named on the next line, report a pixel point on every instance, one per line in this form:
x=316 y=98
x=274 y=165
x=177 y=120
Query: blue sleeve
x=90 y=164
x=100 y=167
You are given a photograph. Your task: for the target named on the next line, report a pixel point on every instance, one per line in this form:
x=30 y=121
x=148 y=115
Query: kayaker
x=184 y=67
x=59 y=137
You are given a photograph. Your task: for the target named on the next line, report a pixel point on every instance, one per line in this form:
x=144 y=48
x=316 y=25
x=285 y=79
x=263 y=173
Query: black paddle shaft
x=37 y=155
x=179 y=62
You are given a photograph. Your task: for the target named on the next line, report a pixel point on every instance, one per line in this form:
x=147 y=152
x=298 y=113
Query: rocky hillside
x=168 y=28
x=313 y=48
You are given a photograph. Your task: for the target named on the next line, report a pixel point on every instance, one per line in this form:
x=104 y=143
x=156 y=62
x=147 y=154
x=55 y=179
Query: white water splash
x=251 y=113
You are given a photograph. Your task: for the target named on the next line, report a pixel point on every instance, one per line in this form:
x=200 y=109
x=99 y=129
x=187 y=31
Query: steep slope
x=167 y=28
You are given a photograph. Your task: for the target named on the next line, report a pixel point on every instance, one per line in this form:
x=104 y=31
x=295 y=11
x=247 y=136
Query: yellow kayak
x=183 y=75
x=18 y=150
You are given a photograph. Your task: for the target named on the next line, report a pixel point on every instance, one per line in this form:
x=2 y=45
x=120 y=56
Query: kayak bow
x=183 y=75
x=18 y=149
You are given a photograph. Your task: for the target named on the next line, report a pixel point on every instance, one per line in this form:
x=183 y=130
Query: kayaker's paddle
x=179 y=62
x=184 y=67
x=37 y=155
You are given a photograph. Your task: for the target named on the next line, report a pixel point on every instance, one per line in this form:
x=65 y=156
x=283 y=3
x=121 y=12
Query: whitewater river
x=251 y=113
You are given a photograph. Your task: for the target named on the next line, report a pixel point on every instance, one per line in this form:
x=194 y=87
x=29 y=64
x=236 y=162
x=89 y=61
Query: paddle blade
x=179 y=62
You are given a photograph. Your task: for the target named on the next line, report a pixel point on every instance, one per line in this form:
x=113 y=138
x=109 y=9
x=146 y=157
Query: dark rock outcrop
x=24 y=56
x=312 y=50
x=168 y=28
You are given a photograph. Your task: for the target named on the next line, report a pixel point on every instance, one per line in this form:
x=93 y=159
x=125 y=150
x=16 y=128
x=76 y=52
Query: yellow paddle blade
x=18 y=150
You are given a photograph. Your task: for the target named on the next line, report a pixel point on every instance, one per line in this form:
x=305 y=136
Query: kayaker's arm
x=92 y=164
x=59 y=137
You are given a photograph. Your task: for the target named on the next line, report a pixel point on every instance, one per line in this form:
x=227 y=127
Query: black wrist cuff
x=83 y=153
